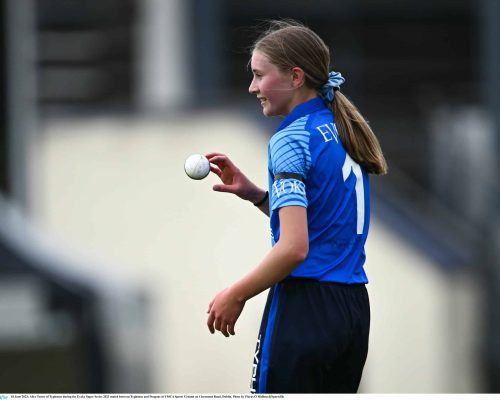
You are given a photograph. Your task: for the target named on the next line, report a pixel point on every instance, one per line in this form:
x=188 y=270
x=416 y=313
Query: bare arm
x=288 y=253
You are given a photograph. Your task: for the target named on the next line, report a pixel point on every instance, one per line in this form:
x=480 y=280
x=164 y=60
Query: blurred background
x=109 y=254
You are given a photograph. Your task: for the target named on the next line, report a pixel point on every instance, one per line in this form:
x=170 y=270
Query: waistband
x=296 y=279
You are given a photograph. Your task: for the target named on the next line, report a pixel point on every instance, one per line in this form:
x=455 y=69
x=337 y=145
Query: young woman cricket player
x=314 y=332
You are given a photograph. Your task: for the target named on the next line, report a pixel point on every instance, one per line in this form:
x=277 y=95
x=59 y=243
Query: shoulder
x=289 y=149
x=292 y=139
x=295 y=131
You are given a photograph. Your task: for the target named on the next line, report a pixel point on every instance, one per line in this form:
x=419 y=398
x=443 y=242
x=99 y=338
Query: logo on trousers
x=255 y=366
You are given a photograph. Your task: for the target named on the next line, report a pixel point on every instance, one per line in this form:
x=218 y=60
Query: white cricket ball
x=197 y=166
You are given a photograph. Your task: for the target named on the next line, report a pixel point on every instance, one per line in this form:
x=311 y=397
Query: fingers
x=210 y=306
x=211 y=318
x=213 y=154
x=225 y=328
x=210 y=323
x=216 y=171
x=222 y=188
x=216 y=324
x=223 y=313
x=221 y=327
x=221 y=160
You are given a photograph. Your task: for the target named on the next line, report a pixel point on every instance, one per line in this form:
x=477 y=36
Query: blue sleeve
x=290 y=160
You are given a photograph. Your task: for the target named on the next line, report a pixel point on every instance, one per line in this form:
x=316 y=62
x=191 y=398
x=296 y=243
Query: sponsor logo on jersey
x=329 y=132
x=288 y=186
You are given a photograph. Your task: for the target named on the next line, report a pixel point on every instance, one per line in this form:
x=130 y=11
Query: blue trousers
x=313 y=338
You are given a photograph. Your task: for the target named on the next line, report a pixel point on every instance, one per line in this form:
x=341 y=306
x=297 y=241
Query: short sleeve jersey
x=309 y=167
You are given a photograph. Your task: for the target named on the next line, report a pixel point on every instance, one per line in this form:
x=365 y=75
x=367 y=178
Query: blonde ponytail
x=357 y=137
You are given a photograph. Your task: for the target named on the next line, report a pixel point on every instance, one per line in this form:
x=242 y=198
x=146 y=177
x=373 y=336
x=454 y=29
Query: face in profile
x=272 y=87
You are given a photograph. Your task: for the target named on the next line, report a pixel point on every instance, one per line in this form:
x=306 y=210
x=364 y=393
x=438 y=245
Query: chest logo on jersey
x=329 y=132
x=288 y=186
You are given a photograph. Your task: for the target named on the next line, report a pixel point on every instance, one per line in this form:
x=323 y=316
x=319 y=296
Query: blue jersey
x=309 y=167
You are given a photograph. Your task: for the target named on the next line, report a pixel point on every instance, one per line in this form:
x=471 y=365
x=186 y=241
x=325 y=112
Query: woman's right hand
x=233 y=180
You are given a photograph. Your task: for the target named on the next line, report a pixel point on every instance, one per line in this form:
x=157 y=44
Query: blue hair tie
x=335 y=79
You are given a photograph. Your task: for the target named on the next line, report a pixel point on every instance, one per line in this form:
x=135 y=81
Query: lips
x=262 y=100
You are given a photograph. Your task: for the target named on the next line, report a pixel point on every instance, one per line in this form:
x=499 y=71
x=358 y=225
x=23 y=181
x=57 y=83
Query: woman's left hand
x=224 y=310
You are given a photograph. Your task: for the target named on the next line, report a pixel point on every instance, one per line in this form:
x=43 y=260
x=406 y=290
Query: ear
x=298 y=77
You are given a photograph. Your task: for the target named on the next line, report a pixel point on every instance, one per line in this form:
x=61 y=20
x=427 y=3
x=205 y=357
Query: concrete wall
x=116 y=187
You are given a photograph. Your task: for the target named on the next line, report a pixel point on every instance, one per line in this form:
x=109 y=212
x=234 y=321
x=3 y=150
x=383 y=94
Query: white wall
x=117 y=188
x=424 y=330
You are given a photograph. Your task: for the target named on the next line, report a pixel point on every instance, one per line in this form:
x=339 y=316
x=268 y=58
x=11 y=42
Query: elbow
x=298 y=253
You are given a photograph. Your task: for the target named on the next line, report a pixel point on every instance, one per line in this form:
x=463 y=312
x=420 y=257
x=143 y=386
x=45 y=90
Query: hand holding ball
x=197 y=166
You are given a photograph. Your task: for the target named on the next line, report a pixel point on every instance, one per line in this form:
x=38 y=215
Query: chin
x=268 y=113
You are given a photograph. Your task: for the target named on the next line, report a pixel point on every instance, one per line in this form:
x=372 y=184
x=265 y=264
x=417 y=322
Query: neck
x=302 y=95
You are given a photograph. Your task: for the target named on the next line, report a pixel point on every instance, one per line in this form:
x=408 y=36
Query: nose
x=252 y=89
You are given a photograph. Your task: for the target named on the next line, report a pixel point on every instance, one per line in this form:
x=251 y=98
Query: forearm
x=276 y=266
x=285 y=256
